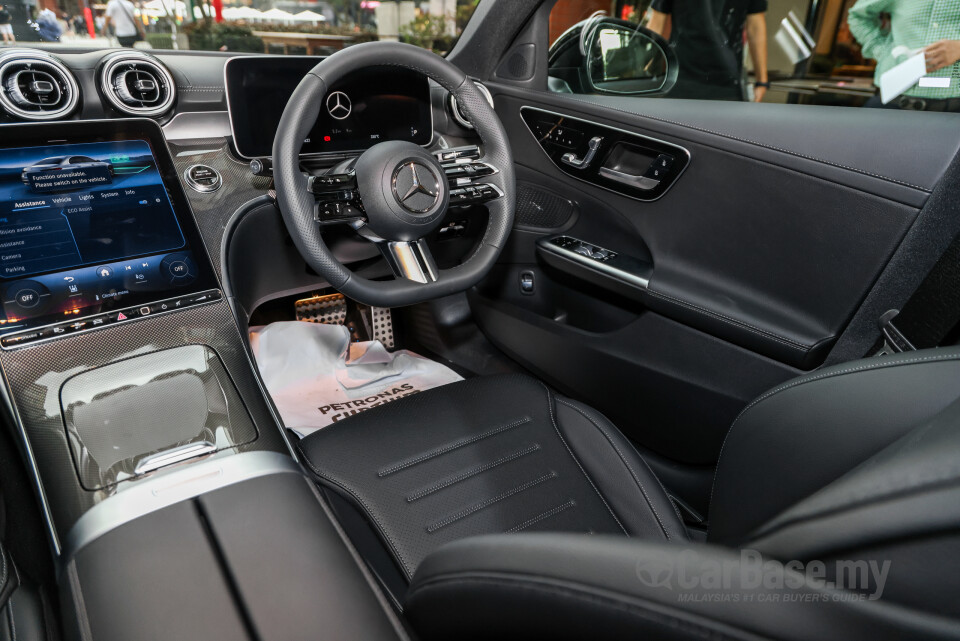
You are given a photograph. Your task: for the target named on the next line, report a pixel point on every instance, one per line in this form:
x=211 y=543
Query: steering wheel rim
x=297 y=203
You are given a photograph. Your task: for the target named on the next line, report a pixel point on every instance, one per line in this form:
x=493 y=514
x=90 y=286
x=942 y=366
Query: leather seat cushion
x=500 y=454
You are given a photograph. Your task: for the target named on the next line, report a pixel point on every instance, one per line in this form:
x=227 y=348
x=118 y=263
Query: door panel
x=762 y=251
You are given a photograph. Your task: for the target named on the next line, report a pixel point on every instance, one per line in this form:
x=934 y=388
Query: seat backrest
x=859 y=462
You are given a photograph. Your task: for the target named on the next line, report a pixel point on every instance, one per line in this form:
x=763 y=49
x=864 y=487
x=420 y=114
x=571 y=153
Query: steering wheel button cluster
x=473 y=194
x=461 y=172
x=326 y=184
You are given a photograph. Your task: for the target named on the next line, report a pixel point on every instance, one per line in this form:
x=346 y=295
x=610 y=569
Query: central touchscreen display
x=368 y=106
x=87 y=227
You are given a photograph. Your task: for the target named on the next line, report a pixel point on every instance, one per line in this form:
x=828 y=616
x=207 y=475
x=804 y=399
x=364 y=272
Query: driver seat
x=857 y=459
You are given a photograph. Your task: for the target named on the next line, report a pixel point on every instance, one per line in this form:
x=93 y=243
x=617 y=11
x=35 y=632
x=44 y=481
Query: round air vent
x=458 y=114
x=137 y=85
x=34 y=86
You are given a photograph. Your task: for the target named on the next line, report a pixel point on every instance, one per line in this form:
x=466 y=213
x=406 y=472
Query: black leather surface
x=642 y=504
x=292 y=568
x=558 y=587
x=259 y=559
x=854 y=467
x=805 y=434
x=488 y=455
x=749 y=235
x=924 y=149
x=199 y=80
x=8 y=577
x=898 y=507
x=157 y=577
x=26 y=617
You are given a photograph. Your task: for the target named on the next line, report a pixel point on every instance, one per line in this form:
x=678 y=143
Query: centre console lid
x=258 y=559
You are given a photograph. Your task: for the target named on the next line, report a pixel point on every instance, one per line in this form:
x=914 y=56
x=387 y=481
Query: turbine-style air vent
x=458 y=114
x=138 y=85
x=35 y=86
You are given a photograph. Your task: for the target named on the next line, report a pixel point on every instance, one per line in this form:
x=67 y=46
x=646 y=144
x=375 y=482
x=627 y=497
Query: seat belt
x=932 y=313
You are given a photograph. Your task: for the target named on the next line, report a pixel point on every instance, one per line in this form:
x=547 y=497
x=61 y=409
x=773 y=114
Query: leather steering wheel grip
x=296 y=203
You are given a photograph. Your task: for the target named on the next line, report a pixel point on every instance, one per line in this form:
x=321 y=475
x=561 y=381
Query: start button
x=202 y=178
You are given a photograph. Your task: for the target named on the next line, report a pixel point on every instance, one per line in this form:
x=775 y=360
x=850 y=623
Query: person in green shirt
x=885 y=26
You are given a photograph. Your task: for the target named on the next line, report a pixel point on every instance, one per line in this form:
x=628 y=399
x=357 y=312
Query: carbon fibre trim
x=35 y=375
x=213 y=210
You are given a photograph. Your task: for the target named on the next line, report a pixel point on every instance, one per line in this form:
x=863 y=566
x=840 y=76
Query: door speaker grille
x=541 y=209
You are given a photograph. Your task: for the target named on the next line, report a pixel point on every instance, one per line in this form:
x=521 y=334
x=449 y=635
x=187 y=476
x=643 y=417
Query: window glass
x=893 y=54
x=301 y=27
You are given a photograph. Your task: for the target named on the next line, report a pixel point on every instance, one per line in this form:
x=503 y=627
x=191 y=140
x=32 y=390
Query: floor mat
x=317 y=377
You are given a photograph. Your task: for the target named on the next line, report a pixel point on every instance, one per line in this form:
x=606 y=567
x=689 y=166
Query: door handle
x=640 y=182
x=571 y=159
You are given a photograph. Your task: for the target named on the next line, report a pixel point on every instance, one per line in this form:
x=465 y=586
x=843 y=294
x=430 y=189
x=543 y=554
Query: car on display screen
x=50 y=167
x=473 y=319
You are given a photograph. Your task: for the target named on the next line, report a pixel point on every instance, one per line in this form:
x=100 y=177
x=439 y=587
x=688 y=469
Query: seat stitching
x=426 y=456
x=753 y=142
x=579 y=594
x=13 y=625
x=472 y=472
x=473 y=509
x=655 y=477
x=623 y=460
x=363 y=503
x=802 y=347
x=810 y=379
x=576 y=460
x=3 y=576
x=540 y=517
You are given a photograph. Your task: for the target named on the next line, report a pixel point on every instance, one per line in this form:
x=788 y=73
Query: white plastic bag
x=316 y=376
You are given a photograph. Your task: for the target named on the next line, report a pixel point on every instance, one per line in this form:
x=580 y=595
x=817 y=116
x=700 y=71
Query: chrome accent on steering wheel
x=411 y=260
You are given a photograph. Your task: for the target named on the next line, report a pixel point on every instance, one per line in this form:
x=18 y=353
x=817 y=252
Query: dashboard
x=134 y=227
x=96 y=226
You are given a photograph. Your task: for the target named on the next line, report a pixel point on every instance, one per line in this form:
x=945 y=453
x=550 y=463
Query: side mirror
x=609 y=56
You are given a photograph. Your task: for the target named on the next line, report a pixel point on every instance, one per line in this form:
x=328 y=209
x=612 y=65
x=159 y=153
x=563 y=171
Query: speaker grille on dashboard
x=519 y=63
x=541 y=209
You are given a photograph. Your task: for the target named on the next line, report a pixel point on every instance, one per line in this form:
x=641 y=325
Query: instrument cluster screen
x=369 y=106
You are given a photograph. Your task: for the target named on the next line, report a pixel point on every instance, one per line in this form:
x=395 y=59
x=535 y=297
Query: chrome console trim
x=174 y=486
x=193 y=125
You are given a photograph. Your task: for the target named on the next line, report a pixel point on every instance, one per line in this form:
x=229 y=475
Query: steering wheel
x=397 y=192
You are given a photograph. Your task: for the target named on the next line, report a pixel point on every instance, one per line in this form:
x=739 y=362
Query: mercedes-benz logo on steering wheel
x=416 y=187
x=339 y=105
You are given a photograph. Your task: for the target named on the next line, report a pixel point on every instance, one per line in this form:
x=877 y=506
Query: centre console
x=174 y=505
x=177 y=558
x=121 y=357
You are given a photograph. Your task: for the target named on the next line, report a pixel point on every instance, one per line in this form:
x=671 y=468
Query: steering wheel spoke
x=411 y=260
